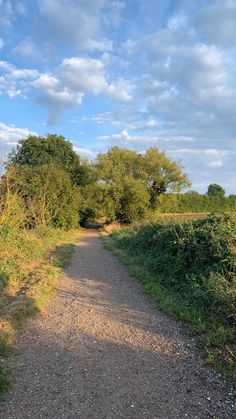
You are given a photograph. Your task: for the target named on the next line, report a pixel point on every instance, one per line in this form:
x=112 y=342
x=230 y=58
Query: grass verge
x=189 y=271
x=27 y=284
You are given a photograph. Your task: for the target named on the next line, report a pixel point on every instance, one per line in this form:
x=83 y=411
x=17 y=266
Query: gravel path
x=102 y=350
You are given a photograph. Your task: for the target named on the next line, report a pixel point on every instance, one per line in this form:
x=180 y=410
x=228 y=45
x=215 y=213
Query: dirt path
x=102 y=350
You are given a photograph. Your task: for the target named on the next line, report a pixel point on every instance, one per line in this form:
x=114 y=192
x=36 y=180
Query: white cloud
x=13 y=81
x=74 y=78
x=126 y=116
x=85 y=152
x=10 y=135
x=26 y=49
x=120 y=90
x=215 y=164
x=55 y=97
x=218 y=22
x=77 y=23
x=113 y=13
x=124 y=139
x=178 y=21
x=66 y=87
x=186 y=84
x=83 y=74
x=103 y=44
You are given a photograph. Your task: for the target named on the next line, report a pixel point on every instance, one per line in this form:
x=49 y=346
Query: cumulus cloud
x=10 y=135
x=14 y=81
x=65 y=88
x=167 y=68
x=186 y=83
x=112 y=15
x=217 y=21
x=80 y=25
x=74 y=78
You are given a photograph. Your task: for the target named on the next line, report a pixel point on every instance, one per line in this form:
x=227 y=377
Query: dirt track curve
x=102 y=350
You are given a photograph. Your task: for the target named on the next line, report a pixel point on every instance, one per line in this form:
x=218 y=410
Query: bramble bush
x=194 y=262
x=192 y=257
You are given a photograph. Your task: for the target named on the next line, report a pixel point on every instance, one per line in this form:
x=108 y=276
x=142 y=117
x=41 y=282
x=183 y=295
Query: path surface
x=102 y=350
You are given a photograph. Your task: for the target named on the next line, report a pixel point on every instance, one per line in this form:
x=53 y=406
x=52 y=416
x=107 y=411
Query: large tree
x=50 y=149
x=162 y=174
x=153 y=169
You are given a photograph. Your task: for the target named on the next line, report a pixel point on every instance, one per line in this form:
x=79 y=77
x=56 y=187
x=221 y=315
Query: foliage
x=215 y=191
x=195 y=262
x=51 y=149
x=153 y=168
x=162 y=174
x=133 y=202
x=47 y=192
x=131 y=182
x=98 y=201
x=193 y=202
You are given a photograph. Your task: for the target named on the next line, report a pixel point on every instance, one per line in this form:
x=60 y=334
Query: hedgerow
x=195 y=263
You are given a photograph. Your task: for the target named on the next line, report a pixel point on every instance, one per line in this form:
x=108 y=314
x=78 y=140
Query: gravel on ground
x=102 y=350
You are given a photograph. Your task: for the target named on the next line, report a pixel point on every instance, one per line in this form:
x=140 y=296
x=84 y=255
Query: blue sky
x=135 y=73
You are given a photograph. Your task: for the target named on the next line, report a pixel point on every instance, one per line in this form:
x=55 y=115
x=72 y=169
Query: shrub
x=194 y=263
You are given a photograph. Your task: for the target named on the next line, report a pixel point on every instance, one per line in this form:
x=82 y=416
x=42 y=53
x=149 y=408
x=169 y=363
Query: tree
x=51 y=149
x=153 y=170
x=215 y=191
x=161 y=174
x=49 y=196
x=118 y=162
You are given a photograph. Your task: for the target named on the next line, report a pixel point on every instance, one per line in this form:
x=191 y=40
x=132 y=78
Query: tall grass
x=30 y=265
x=190 y=269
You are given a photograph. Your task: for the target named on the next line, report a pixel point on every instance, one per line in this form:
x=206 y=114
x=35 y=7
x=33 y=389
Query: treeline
x=47 y=183
x=193 y=202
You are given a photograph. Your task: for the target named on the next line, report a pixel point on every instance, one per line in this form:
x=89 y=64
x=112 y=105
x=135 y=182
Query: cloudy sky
x=134 y=73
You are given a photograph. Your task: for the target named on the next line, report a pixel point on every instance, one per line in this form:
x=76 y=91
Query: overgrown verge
x=30 y=265
x=189 y=268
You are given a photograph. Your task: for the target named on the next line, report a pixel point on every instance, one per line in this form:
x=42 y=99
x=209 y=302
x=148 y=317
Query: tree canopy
x=50 y=149
x=215 y=191
x=154 y=170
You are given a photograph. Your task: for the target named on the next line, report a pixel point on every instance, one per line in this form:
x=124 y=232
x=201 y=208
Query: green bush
x=47 y=193
x=195 y=258
x=195 y=263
